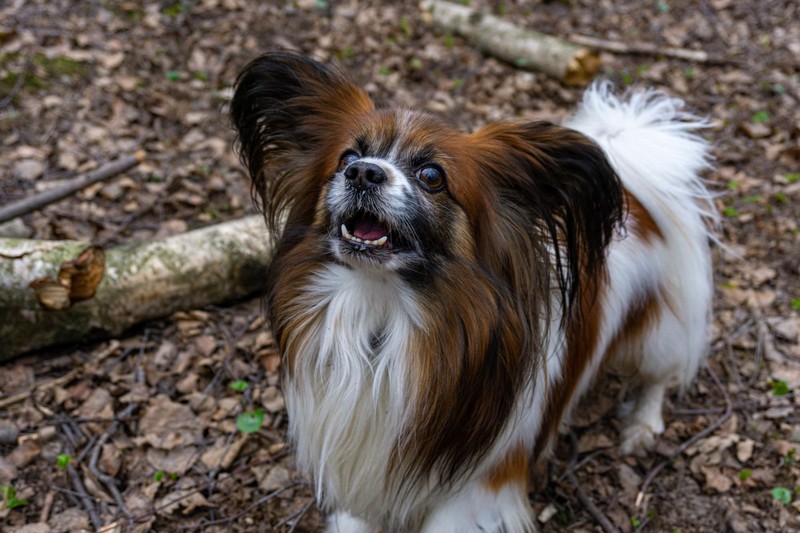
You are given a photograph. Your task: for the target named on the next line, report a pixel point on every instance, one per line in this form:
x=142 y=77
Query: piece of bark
x=137 y=282
x=571 y=63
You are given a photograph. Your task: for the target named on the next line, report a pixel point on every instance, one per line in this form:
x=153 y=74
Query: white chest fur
x=348 y=400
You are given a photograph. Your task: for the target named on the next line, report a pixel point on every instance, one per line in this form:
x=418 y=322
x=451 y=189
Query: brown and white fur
x=442 y=299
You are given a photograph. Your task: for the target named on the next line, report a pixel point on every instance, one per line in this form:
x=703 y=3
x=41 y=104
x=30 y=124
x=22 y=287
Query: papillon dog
x=442 y=299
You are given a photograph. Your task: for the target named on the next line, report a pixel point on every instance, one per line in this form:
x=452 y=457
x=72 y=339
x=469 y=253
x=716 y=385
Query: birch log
x=571 y=63
x=137 y=282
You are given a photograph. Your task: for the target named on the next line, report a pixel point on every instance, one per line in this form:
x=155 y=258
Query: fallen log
x=571 y=63
x=54 y=292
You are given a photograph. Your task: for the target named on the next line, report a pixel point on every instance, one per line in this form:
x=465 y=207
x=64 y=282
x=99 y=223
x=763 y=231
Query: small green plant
x=250 y=421
x=730 y=211
x=158 y=477
x=383 y=71
x=760 y=117
x=732 y=185
x=173 y=75
x=174 y=10
x=9 y=497
x=780 y=197
x=796 y=304
x=752 y=198
x=416 y=63
x=346 y=53
x=239 y=385
x=790 y=458
x=635 y=522
x=627 y=78
x=745 y=474
x=779 y=387
x=405 y=27
x=794 y=177
x=448 y=40
x=63 y=460
x=662 y=6
x=782 y=494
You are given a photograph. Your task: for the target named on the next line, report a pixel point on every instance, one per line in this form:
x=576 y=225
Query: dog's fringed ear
x=560 y=183
x=291 y=113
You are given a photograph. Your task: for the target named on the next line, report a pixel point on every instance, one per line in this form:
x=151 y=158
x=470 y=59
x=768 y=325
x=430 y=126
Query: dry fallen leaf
x=166 y=424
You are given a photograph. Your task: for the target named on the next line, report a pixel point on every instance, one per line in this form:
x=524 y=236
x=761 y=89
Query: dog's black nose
x=364 y=175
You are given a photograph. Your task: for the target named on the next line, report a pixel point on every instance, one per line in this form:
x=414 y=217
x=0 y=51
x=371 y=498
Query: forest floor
x=139 y=433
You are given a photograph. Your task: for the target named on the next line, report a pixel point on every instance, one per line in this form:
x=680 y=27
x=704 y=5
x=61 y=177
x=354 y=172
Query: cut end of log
x=77 y=280
x=140 y=155
x=582 y=68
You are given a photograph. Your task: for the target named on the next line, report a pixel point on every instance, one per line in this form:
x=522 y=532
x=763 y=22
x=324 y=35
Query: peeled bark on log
x=571 y=63
x=138 y=282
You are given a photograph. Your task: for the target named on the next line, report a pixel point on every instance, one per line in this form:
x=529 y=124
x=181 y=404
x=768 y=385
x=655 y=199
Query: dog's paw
x=638 y=439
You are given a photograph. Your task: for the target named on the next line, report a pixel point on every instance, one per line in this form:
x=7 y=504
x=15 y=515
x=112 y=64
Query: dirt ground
x=139 y=433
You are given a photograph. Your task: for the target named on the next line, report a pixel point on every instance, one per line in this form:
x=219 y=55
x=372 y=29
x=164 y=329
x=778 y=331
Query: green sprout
x=250 y=421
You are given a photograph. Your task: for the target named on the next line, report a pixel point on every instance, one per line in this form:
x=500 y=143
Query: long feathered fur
x=419 y=387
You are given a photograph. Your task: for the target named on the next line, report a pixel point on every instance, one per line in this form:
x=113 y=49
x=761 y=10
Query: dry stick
x=641 y=48
x=86 y=500
x=260 y=501
x=564 y=60
x=569 y=474
x=37 y=201
x=22 y=395
x=598 y=516
x=683 y=447
x=47 y=506
x=199 y=487
x=297 y=516
x=107 y=480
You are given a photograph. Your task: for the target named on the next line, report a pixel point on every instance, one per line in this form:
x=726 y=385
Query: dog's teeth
x=350 y=237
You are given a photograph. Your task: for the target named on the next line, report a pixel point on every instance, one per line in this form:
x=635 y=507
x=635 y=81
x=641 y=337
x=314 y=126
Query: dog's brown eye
x=432 y=178
x=347 y=158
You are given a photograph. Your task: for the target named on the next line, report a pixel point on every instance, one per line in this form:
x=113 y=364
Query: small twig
x=580 y=464
x=17 y=86
x=763 y=338
x=618 y=47
x=569 y=474
x=260 y=501
x=37 y=201
x=84 y=497
x=107 y=480
x=601 y=519
x=47 y=506
x=23 y=395
x=296 y=516
x=688 y=443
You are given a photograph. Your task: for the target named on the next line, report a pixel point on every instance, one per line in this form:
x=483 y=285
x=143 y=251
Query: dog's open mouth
x=365 y=232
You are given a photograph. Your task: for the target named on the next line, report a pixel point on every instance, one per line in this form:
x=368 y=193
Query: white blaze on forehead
x=394 y=176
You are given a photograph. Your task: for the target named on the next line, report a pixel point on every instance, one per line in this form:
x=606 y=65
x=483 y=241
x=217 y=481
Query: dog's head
x=403 y=190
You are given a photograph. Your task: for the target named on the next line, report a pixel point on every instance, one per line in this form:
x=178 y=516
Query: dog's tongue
x=369 y=229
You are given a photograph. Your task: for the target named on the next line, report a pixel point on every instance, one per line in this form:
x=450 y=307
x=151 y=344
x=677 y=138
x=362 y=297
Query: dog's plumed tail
x=655 y=148
x=652 y=143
